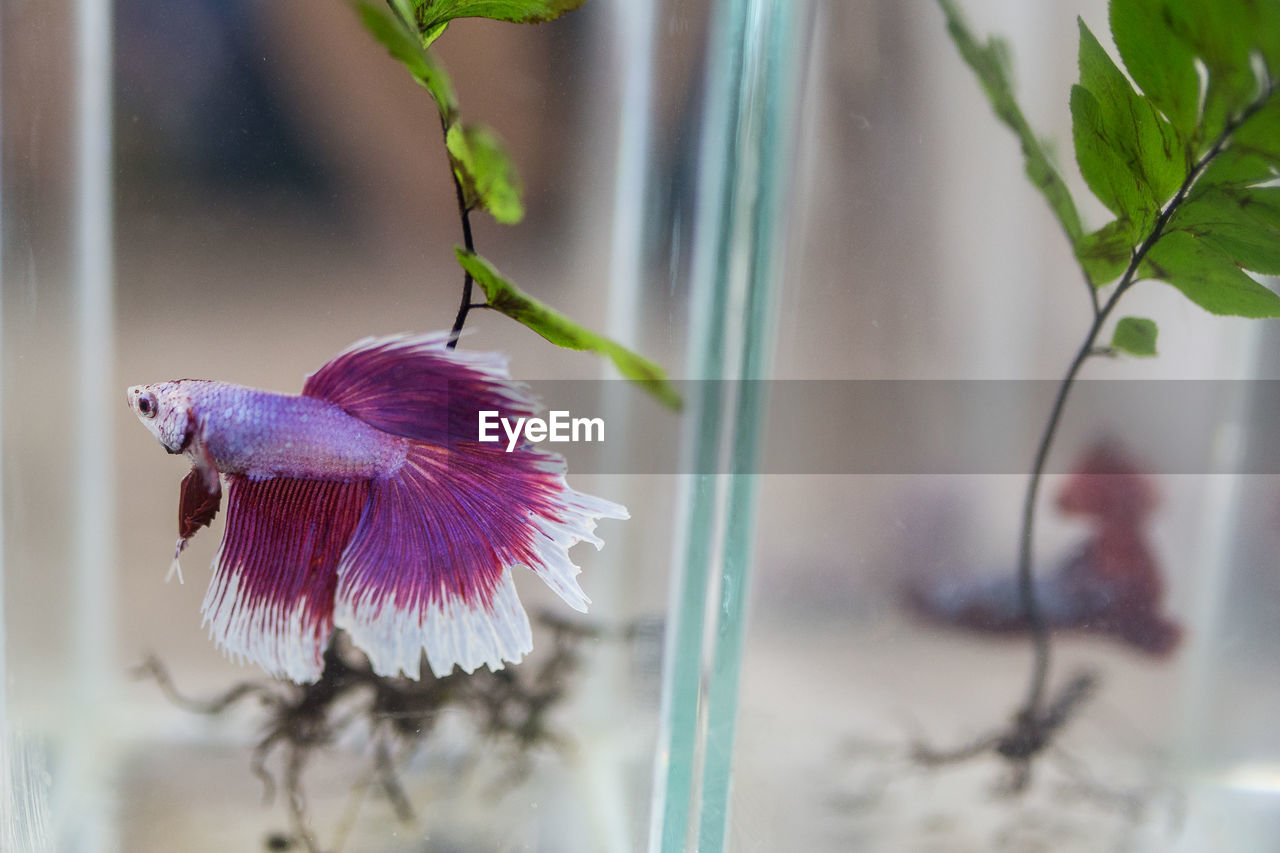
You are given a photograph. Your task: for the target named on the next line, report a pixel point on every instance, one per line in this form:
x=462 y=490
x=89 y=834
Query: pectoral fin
x=199 y=502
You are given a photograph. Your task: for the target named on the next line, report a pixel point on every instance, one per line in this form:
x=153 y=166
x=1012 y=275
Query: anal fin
x=271 y=598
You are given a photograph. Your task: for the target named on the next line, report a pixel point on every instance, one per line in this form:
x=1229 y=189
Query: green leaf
x=1159 y=60
x=1267 y=35
x=485 y=171
x=1253 y=155
x=1207 y=277
x=505 y=297
x=1261 y=204
x=1222 y=34
x=1136 y=336
x=1106 y=173
x=1188 y=164
x=1242 y=223
x=434 y=33
x=433 y=13
x=405 y=46
x=990 y=64
x=1128 y=125
x=1105 y=253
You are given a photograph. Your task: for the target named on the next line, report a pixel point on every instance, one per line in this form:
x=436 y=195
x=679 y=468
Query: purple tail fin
x=429 y=566
x=271 y=598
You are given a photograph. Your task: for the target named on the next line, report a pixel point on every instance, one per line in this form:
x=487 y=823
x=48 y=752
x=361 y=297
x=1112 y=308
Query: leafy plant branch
x=1088 y=348
x=1190 y=179
x=484 y=176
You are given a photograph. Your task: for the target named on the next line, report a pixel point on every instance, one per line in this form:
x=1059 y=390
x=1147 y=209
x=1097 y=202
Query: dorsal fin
x=413 y=386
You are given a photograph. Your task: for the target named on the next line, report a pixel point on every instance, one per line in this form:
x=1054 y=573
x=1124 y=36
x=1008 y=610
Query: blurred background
x=280 y=189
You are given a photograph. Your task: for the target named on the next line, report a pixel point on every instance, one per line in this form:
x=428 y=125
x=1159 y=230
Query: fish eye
x=147 y=405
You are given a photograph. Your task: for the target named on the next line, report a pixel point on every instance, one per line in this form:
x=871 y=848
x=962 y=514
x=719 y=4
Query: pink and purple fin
x=408 y=548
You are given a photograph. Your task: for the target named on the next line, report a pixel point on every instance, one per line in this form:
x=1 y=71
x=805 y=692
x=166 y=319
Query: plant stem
x=465 y=307
x=1026 y=577
x=1093 y=294
x=1031 y=711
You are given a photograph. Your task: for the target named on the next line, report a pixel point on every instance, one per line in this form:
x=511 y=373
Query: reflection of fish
x=367 y=503
x=1111 y=585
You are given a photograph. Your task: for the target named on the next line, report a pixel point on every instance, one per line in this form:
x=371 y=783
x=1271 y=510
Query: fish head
x=165 y=410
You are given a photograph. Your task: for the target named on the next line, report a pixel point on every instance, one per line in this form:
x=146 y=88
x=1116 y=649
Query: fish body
x=263 y=434
x=367 y=503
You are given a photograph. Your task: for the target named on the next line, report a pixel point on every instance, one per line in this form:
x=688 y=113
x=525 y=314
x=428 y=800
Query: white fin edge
x=264 y=635
x=556 y=569
x=451 y=631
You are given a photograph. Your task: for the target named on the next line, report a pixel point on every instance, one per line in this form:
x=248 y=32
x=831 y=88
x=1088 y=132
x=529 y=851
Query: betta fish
x=1110 y=584
x=367 y=503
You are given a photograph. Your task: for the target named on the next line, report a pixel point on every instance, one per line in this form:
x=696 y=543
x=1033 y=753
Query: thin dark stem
x=1032 y=709
x=1026 y=576
x=1093 y=295
x=465 y=307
